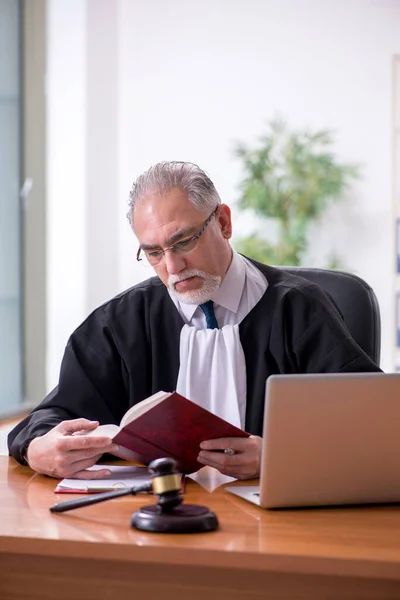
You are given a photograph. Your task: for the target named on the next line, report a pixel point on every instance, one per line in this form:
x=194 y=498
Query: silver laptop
x=329 y=439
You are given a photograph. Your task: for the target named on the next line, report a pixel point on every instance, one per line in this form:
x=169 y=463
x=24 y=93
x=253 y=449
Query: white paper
x=120 y=477
x=210 y=479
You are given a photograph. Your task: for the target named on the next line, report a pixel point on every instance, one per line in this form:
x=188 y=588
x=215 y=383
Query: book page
x=143 y=406
x=106 y=430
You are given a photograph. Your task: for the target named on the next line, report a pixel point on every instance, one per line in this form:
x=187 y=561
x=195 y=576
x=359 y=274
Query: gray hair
x=165 y=176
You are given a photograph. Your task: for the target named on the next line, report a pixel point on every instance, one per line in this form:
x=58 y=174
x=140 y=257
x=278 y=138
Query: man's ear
x=225 y=221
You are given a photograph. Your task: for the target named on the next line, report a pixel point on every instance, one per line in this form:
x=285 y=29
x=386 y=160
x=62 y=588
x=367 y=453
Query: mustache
x=173 y=279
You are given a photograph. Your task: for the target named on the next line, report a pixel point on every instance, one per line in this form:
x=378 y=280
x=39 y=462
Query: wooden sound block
x=186 y=518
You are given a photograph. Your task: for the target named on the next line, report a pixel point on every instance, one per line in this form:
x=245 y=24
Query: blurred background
x=291 y=106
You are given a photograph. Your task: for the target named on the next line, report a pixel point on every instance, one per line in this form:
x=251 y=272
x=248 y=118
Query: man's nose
x=174 y=263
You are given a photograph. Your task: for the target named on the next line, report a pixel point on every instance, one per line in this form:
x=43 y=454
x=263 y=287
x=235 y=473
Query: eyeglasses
x=185 y=246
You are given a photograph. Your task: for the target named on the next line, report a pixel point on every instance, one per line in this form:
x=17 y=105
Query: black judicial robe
x=128 y=349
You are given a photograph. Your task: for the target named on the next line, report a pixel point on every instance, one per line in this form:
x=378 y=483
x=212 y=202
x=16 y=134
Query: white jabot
x=212 y=369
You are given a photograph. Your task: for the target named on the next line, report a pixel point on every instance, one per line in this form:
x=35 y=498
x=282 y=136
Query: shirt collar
x=228 y=294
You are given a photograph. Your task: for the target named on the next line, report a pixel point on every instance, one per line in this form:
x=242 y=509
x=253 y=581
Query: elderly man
x=213 y=325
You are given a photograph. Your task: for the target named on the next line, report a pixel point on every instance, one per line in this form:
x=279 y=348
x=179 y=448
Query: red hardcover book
x=167 y=425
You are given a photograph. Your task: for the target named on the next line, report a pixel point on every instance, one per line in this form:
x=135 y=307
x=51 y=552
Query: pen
x=80 y=502
x=88 y=490
x=94 y=489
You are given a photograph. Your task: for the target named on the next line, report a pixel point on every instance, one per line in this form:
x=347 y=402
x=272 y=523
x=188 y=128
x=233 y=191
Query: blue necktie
x=208 y=310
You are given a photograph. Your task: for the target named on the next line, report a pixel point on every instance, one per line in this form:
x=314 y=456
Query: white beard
x=210 y=285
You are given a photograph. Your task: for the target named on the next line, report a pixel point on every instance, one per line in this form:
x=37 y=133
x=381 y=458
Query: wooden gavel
x=169 y=515
x=165 y=483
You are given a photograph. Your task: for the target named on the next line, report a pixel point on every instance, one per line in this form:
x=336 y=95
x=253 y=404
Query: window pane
x=10 y=273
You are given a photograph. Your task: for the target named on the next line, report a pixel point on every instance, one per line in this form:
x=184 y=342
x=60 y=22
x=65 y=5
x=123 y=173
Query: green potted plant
x=290 y=177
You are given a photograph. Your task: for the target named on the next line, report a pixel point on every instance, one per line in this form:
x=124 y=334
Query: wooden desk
x=93 y=554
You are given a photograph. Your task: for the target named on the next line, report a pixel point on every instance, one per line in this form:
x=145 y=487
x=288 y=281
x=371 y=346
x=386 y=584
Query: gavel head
x=166 y=482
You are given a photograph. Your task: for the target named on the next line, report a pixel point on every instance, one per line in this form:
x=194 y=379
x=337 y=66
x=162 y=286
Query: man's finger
x=86 y=474
x=76 y=456
x=68 y=427
x=81 y=470
x=238 y=444
x=78 y=442
x=226 y=469
x=219 y=459
x=245 y=469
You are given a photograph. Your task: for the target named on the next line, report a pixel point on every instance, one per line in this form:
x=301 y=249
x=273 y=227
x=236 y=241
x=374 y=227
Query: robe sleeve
x=91 y=385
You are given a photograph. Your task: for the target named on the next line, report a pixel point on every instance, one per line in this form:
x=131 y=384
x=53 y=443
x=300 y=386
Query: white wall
x=194 y=78
x=66 y=175
x=191 y=79
x=82 y=158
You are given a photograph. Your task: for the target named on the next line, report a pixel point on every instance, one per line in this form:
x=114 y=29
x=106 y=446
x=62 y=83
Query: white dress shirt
x=212 y=369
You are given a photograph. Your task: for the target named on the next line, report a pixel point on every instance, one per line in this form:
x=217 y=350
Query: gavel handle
x=95 y=498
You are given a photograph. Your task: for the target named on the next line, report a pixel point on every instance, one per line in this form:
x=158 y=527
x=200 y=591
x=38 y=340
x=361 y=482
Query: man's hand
x=243 y=464
x=58 y=453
